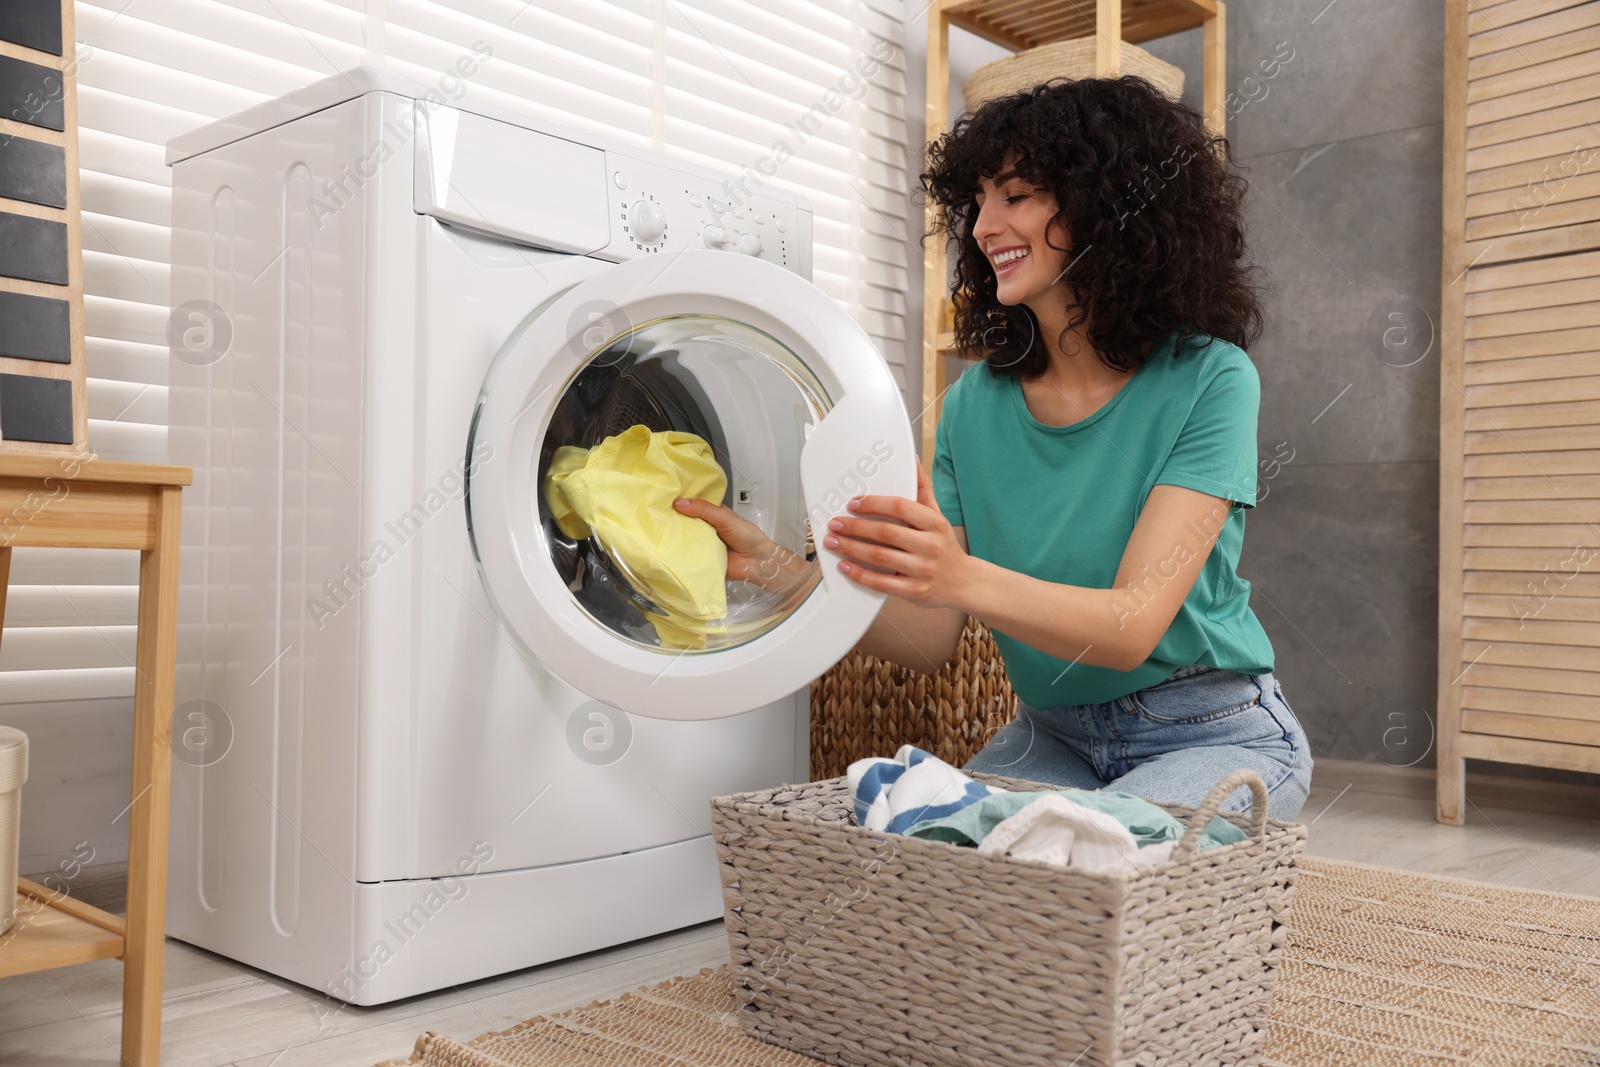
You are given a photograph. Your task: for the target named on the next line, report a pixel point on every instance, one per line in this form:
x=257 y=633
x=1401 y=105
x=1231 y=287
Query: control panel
x=656 y=210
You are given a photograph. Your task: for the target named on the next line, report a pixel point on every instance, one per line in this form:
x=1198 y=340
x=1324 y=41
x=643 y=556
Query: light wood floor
x=219 y=1012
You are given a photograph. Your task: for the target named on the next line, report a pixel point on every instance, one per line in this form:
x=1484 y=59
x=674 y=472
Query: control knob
x=647 y=220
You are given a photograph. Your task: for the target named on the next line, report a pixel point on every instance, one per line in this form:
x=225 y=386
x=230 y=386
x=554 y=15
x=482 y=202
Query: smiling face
x=1013 y=218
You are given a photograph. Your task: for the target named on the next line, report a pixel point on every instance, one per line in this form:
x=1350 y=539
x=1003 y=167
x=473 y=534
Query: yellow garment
x=567 y=459
x=622 y=491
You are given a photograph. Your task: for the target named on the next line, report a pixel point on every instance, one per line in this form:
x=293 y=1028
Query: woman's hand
x=928 y=565
x=752 y=555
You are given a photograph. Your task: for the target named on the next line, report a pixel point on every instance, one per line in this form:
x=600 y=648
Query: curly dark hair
x=1148 y=194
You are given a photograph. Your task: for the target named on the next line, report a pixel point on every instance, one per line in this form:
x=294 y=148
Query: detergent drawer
x=510 y=182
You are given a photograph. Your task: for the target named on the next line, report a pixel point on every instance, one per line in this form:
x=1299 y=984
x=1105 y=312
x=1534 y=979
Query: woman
x=1091 y=476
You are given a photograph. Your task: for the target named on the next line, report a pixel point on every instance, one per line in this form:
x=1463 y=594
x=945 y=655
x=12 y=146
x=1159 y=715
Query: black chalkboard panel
x=35 y=327
x=33 y=171
x=32 y=24
x=35 y=409
x=32 y=94
x=33 y=248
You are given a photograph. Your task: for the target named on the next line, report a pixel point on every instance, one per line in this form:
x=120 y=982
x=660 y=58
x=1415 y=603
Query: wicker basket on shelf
x=13 y=773
x=1063 y=59
x=866 y=707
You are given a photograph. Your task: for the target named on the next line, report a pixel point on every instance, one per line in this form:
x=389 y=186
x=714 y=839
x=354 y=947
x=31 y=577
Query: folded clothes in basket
x=920 y=795
x=1052 y=829
x=893 y=794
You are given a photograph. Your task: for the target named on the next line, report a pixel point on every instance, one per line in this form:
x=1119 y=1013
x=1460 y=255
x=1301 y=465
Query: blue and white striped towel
x=893 y=794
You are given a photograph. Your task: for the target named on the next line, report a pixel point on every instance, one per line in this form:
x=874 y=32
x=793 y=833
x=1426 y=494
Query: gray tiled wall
x=1343 y=150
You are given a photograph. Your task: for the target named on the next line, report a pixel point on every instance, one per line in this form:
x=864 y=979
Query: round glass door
x=684 y=405
x=717 y=377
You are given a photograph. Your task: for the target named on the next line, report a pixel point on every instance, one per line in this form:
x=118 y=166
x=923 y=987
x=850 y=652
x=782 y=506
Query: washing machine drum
x=746 y=367
x=749 y=400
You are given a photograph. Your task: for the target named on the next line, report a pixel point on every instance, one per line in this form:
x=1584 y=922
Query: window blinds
x=718 y=82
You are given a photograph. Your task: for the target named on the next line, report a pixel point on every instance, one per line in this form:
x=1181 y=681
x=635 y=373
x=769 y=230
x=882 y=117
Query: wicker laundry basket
x=13 y=772
x=866 y=707
x=1063 y=59
x=859 y=947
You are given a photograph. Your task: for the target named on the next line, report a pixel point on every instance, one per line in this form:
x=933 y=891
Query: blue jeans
x=1170 y=742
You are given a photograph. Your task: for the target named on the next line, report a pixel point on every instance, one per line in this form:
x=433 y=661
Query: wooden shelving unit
x=78 y=501
x=1023 y=24
x=53 y=930
x=54 y=493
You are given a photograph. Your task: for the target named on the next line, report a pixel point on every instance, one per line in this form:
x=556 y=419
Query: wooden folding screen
x=1519 y=463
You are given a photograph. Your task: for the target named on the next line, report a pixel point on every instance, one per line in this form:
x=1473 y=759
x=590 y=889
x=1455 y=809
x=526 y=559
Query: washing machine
x=422 y=735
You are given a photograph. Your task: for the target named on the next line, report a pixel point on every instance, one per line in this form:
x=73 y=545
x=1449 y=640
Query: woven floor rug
x=1384 y=968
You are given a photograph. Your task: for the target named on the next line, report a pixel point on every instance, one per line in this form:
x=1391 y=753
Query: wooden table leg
x=152 y=779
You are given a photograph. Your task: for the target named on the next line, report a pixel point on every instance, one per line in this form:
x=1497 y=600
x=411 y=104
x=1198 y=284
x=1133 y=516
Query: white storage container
x=13 y=772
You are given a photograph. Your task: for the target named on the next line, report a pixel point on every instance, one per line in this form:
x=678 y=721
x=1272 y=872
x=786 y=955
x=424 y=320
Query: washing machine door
x=643 y=373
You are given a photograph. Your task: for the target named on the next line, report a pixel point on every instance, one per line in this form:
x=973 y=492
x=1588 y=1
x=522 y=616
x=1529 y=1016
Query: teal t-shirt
x=1059 y=503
